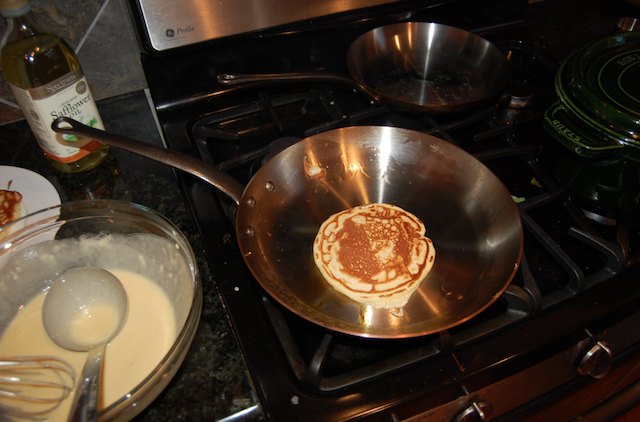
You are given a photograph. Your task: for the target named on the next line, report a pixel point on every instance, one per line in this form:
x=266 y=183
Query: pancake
x=10 y=206
x=375 y=254
x=10 y=209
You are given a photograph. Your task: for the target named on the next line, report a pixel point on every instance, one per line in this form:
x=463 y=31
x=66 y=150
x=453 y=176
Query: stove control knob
x=596 y=362
x=479 y=411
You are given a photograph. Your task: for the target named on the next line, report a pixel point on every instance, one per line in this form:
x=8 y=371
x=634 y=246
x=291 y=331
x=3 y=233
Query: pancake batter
x=147 y=335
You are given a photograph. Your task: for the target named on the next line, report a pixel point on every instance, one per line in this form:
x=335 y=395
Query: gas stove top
x=570 y=311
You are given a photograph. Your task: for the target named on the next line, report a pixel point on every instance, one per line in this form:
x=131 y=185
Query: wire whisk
x=32 y=386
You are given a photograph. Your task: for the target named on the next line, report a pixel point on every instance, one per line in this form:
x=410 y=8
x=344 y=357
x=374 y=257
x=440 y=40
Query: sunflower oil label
x=67 y=96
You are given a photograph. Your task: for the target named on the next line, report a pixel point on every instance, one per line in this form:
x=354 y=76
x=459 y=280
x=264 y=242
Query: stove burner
x=520 y=102
x=598 y=215
x=521 y=93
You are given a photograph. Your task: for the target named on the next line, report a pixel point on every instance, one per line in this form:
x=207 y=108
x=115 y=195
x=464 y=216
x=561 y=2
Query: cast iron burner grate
x=564 y=252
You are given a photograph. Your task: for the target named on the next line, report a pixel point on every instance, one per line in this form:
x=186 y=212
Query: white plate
x=37 y=192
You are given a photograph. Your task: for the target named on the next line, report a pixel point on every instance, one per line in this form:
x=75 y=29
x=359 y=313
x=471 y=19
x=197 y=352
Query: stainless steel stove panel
x=173 y=24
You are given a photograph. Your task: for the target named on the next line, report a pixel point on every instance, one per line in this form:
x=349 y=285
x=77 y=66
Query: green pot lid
x=593 y=123
x=602 y=80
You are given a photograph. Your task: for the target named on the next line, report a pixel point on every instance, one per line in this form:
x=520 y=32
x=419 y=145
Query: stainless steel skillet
x=469 y=215
x=415 y=67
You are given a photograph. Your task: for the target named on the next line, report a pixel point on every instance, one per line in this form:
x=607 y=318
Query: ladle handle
x=181 y=161
x=85 y=403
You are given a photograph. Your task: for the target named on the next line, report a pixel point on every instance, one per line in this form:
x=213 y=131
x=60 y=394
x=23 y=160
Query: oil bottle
x=46 y=79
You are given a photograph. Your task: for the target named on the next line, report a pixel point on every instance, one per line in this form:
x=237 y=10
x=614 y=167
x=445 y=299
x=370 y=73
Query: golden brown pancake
x=10 y=207
x=375 y=254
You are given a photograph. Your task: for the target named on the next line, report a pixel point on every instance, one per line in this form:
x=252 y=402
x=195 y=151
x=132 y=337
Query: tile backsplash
x=103 y=37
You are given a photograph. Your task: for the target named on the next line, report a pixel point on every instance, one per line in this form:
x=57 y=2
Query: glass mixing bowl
x=29 y=263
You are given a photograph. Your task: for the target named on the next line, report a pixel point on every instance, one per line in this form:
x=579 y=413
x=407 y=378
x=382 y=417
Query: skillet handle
x=179 y=160
x=335 y=77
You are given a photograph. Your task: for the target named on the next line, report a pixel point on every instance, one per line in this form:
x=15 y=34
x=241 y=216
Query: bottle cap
x=12 y=8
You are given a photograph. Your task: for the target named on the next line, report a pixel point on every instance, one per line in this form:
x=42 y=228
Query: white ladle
x=84 y=309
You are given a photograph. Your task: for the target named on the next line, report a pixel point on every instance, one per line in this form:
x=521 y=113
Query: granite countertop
x=213 y=381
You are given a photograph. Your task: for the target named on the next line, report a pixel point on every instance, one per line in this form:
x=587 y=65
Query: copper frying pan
x=468 y=212
x=415 y=67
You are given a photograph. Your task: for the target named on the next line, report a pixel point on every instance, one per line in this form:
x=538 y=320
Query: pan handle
x=181 y=161
x=243 y=78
